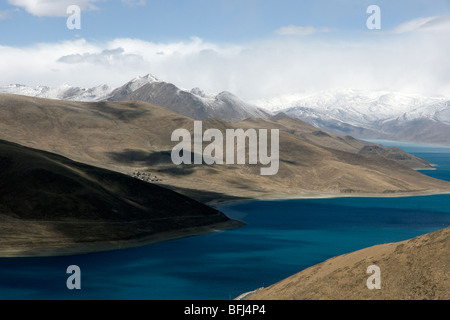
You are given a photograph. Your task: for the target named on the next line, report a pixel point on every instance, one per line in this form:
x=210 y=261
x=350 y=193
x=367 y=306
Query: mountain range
x=115 y=131
x=361 y=114
x=136 y=136
x=370 y=115
x=63 y=92
x=193 y=103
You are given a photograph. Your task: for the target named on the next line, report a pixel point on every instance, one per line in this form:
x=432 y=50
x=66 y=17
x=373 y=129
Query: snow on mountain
x=227 y=100
x=357 y=107
x=363 y=114
x=138 y=83
x=193 y=103
x=370 y=114
x=438 y=111
x=64 y=92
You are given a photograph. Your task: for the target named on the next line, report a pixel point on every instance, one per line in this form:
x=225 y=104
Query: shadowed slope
x=50 y=202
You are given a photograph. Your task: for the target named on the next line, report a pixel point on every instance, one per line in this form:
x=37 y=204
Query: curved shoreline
x=323 y=195
x=104 y=246
x=339 y=277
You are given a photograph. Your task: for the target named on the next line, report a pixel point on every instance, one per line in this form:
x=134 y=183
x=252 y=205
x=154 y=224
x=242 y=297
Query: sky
x=253 y=48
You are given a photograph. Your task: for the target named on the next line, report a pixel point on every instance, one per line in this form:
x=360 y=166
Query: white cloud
x=428 y=24
x=52 y=8
x=412 y=25
x=107 y=57
x=300 y=30
x=411 y=62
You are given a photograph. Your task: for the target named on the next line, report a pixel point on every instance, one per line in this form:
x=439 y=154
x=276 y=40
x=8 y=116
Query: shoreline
x=105 y=246
x=368 y=253
x=319 y=195
x=113 y=245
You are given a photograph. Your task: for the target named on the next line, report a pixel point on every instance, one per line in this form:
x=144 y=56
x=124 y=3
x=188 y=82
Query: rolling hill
x=52 y=205
x=415 y=269
x=136 y=136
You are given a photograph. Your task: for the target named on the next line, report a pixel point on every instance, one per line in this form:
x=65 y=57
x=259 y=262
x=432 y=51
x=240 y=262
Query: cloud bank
x=412 y=59
x=52 y=8
x=438 y=24
x=300 y=30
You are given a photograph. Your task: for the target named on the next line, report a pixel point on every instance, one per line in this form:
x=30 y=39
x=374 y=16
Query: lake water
x=280 y=239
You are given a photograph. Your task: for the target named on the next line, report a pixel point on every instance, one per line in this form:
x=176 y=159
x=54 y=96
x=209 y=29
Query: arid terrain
x=51 y=205
x=415 y=269
x=103 y=172
x=136 y=136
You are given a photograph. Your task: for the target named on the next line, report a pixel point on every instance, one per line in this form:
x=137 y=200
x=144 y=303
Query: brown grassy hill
x=347 y=143
x=131 y=136
x=415 y=269
x=51 y=204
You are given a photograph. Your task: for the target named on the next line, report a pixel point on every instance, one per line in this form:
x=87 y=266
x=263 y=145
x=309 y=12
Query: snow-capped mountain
x=361 y=114
x=356 y=107
x=135 y=84
x=192 y=103
x=64 y=92
x=375 y=115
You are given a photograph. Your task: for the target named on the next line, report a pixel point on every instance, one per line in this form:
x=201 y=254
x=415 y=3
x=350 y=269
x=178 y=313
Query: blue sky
x=221 y=44
x=212 y=20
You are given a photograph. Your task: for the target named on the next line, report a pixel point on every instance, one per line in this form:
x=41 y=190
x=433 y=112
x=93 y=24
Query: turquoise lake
x=280 y=238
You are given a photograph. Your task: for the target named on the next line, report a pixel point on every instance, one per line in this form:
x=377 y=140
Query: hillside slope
x=136 y=136
x=49 y=204
x=348 y=143
x=415 y=269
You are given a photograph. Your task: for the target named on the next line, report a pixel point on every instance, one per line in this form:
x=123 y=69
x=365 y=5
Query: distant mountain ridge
x=361 y=114
x=64 y=92
x=370 y=115
x=195 y=103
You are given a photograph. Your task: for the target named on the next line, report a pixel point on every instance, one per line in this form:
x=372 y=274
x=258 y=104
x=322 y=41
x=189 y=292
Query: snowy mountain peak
x=149 y=78
x=199 y=92
x=139 y=82
x=369 y=114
